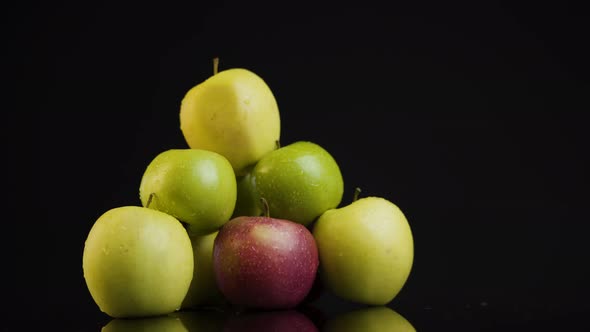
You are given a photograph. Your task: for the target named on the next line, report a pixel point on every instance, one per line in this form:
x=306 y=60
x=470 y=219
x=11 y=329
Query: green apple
x=203 y=290
x=300 y=181
x=247 y=201
x=366 y=250
x=233 y=113
x=137 y=262
x=372 y=319
x=151 y=324
x=198 y=187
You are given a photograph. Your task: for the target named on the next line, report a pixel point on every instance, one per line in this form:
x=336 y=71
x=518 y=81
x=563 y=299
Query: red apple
x=281 y=320
x=263 y=262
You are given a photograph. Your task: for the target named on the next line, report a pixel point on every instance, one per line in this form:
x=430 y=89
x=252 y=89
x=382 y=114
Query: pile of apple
x=236 y=218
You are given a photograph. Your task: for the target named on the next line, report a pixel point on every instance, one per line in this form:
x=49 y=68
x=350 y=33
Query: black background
x=467 y=116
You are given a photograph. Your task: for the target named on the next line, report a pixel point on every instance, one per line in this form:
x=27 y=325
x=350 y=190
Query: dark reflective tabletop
x=328 y=313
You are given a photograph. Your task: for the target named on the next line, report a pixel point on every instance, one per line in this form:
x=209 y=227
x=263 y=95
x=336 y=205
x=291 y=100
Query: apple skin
x=198 y=187
x=366 y=250
x=150 y=324
x=270 y=321
x=137 y=262
x=264 y=263
x=203 y=290
x=371 y=319
x=247 y=200
x=300 y=181
x=233 y=113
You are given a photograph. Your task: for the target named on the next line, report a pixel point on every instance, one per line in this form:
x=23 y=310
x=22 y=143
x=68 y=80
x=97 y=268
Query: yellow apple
x=233 y=113
x=366 y=250
x=137 y=262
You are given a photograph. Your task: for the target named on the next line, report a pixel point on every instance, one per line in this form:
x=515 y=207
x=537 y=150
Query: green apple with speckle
x=366 y=250
x=371 y=319
x=137 y=262
x=198 y=187
x=300 y=181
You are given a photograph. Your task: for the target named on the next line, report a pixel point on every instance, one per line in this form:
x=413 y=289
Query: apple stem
x=215 y=65
x=265 y=207
x=278 y=144
x=152 y=195
x=357 y=192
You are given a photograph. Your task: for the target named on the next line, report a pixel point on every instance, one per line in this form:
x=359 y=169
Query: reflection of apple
x=271 y=321
x=372 y=319
x=150 y=324
x=300 y=181
x=263 y=262
x=366 y=250
x=137 y=262
x=203 y=290
x=202 y=320
x=233 y=113
x=198 y=187
x=316 y=314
